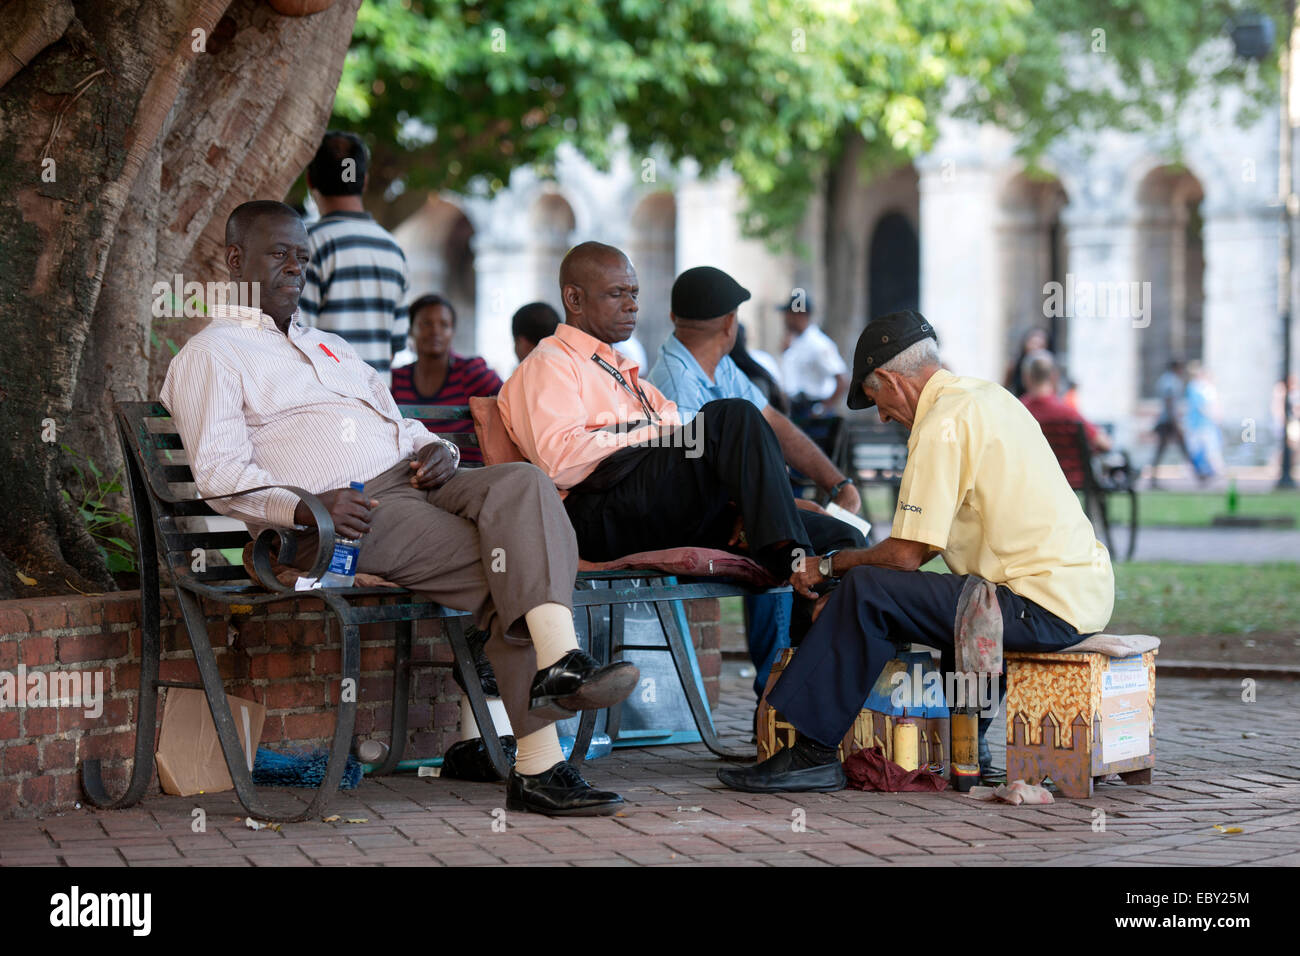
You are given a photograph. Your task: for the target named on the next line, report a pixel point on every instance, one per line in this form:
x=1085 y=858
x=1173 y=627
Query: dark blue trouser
x=828 y=680
x=768 y=633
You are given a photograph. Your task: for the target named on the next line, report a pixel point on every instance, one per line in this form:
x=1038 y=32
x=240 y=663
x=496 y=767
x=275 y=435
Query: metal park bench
x=876 y=453
x=164 y=508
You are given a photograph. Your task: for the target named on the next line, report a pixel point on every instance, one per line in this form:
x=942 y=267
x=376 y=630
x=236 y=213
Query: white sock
x=539 y=751
x=551 y=628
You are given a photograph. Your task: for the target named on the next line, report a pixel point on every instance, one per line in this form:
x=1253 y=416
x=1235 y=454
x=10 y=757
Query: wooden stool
x=870 y=729
x=1068 y=712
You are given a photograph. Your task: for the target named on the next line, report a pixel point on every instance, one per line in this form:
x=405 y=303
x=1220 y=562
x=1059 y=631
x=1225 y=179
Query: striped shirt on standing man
x=357 y=284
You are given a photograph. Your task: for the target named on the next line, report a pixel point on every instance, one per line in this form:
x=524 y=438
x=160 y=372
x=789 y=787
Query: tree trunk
x=159 y=117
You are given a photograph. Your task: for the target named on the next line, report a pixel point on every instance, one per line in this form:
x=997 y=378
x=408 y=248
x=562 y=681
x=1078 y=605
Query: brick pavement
x=1208 y=772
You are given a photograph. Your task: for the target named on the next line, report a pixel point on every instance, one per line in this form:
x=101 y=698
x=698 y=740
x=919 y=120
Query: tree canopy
x=455 y=95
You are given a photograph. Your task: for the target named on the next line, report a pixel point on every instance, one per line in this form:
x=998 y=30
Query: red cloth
x=869 y=770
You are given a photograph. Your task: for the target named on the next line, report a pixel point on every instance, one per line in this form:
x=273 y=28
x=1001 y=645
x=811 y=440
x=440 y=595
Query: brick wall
x=279 y=656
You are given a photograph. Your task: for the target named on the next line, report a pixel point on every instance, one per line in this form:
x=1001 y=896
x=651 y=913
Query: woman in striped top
x=439 y=376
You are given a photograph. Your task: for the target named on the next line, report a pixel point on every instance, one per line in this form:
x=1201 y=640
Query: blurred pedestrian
x=1171 y=387
x=1203 y=438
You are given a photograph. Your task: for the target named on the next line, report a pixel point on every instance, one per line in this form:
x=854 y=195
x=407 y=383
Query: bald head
x=248 y=216
x=598 y=289
x=266 y=247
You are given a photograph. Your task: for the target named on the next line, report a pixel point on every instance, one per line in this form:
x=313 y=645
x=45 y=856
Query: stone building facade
x=1129 y=251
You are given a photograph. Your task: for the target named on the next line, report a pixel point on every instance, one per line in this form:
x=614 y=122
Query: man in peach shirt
x=635 y=478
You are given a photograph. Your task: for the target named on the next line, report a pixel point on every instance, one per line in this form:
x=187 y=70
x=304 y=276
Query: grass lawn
x=1190 y=599
x=1184 y=600
x=1154 y=507
x=1196 y=508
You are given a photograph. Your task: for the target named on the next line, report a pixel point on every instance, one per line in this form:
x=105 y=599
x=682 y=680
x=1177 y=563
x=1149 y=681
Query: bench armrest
x=288 y=539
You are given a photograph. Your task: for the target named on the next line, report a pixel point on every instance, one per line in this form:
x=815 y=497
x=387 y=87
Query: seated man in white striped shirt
x=261 y=399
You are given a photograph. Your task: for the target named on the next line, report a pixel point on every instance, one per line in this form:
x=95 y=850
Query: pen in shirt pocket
x=328 y=352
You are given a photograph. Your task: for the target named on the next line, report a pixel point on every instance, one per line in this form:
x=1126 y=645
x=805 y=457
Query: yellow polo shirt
x=982 y=486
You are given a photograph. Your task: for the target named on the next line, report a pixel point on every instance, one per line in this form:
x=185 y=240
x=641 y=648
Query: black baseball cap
x=706 y=293
x=880 y=341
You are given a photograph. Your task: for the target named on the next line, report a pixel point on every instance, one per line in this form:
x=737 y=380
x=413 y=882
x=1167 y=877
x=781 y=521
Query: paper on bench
x=848 y=517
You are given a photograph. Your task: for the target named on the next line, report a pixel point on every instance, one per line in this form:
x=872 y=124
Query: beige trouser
x=492 y=541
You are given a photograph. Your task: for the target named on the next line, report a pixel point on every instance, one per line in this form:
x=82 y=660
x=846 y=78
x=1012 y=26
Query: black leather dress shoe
x=778 y=774
x=577 y=682
x=559 y=792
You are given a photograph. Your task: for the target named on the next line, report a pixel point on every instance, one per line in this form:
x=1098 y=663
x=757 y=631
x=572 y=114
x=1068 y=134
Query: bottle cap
x=357 y=485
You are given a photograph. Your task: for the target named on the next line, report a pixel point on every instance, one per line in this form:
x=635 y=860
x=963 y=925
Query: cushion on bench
x=1115 y=645
x=495 y=442
x=690 y=562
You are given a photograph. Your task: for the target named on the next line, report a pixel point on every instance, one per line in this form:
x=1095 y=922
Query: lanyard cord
x=639 y=394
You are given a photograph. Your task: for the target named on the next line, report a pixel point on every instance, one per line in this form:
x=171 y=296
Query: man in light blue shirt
x=678 y=374
x=693 y=369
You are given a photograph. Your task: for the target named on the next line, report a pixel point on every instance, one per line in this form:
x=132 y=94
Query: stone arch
x=439 y=245
x=855 y=206
x=1033 y=253
x=893 y=265
x=652 y=247
x=551 y=225
x=1170 y=256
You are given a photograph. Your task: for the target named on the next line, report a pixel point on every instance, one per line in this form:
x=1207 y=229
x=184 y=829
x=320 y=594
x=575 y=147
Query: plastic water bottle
x=342 y=571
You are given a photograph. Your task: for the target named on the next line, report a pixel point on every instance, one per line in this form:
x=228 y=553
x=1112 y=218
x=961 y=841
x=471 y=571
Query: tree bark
x=129 y=148
x=28 y=27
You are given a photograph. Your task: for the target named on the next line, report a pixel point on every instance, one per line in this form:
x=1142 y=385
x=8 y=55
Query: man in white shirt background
x=812 y=371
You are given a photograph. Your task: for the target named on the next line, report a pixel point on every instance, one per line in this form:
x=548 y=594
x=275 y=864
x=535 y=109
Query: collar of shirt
x=584 y=346
x=925 y=401
x=674 y=348
x=347 y=214
x=251 y=318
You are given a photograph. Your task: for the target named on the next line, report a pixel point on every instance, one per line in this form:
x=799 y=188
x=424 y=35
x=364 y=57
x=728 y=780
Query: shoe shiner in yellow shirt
x=983 y=490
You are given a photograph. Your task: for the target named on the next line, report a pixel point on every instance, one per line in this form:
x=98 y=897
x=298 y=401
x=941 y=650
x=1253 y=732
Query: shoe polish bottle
x=965 y=748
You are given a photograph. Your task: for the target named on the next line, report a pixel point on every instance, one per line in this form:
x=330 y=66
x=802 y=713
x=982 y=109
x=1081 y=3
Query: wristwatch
x=452 y=447
x=835 y=492
x=824 y=565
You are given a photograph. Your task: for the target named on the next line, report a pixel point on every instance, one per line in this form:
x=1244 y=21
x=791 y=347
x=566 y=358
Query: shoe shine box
x=871 y=728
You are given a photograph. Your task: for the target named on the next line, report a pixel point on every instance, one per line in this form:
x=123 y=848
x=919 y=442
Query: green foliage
x=102 y=520
x=455 y=94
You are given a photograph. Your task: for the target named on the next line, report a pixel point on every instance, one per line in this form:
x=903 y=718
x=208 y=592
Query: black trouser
x=1168 y=431
x=828 y=680
x=649 y=498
